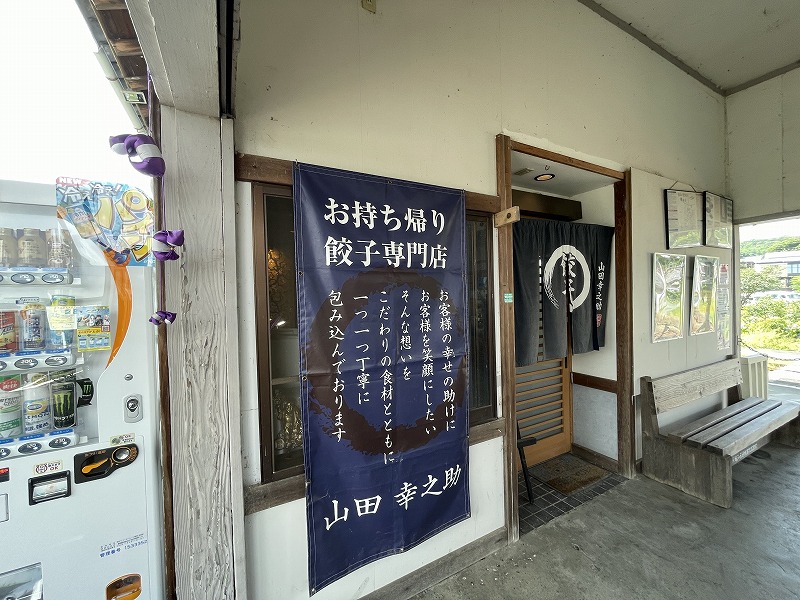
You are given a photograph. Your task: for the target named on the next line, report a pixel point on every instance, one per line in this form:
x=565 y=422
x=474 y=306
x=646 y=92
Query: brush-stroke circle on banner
x=562 y=253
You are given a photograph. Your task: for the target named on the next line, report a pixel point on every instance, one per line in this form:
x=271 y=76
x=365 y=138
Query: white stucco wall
x=665 y=358
x=419 y=91
x=763 y=135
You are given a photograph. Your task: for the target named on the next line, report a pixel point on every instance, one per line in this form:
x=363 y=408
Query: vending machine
x=81 y=503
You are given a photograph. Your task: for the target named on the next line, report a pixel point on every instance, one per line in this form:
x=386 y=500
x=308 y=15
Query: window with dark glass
x=277 y=332
x=481 y=333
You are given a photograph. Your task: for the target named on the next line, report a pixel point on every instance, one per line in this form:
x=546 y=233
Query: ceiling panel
x=731 y=42
x=567 y=181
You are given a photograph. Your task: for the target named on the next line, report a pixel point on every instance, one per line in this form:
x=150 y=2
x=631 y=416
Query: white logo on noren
x=568 y=256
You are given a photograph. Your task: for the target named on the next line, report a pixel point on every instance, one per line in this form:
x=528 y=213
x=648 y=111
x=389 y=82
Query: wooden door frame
x=626 y=434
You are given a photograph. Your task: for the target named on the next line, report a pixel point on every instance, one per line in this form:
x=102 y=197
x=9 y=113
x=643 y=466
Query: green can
x=63 y=403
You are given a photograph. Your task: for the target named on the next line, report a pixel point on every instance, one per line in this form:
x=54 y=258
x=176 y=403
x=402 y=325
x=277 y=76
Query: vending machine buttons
x=23 y=278
x=4 y=474
x=133 y=408
x=49 y=487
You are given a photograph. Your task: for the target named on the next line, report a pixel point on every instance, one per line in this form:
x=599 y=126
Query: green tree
x=768 y=278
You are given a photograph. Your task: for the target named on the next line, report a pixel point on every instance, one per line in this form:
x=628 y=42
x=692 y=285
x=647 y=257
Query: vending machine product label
x=93 y=325
x=10 y=406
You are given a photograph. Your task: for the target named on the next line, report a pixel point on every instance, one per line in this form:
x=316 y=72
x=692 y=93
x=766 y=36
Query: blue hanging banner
x=383 y=320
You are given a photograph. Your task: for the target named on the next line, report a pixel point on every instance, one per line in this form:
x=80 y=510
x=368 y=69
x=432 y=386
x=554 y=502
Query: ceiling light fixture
x=545 y=177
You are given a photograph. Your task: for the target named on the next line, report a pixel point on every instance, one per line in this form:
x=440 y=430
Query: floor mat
x=567 y=473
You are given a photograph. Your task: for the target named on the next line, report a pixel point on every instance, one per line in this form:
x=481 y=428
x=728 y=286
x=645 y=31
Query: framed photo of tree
x=669 y=275
x=704 y=295
x=684 y=218
x=718 y=220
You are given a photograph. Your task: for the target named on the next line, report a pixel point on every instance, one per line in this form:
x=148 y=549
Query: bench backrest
x=662 y=394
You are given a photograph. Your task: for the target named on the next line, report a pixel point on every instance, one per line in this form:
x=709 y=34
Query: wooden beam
x=482 y=202
x=137 y=84
x=126 y=47
x=109 y=5
x=566 y=160
x=626 y=411
x=505 y=261
x=184 y=66
x=248 y=167
x=163 y=381
x=595 y=383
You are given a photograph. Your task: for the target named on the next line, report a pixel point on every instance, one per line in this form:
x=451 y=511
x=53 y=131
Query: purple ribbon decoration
x=171 y=237
x=142 y=151
x=164 y=242
x=163 y=316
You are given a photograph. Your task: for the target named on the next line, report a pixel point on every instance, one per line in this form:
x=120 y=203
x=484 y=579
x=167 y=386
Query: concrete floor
x=644 y=540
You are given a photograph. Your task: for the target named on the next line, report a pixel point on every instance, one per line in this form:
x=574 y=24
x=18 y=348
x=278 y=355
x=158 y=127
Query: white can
x=36 y=414
x=10 y=406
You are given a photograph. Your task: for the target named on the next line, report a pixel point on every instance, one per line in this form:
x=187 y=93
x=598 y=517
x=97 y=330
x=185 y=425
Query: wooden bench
x=697 y=457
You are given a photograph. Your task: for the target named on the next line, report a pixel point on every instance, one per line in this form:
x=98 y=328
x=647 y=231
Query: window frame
x=487 y=413
x=483 y=423
x=263 y=346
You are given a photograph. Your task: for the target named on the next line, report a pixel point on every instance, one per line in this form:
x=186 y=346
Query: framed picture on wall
x=704 y=295
x=684 y=218
x=669 y=274
x=718 y=221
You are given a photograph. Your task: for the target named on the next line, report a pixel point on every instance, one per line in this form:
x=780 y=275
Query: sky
x=58 y=107
x=769 y=230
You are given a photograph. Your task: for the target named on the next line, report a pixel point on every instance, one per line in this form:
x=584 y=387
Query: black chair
x=521 y=445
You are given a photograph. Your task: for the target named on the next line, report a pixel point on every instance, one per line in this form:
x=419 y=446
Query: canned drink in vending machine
x=34 y=322
x=8 y=331
x=63 y=399
x=36 y=403
x=10 y=405
x=57 y=338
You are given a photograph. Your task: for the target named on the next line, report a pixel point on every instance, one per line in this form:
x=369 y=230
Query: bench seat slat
x=740 y=439
x=732 y=422
x=695 y=427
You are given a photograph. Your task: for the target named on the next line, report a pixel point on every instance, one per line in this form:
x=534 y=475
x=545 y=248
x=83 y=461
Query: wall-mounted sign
x=718 y=221
x=382 y=323
x=684 y=218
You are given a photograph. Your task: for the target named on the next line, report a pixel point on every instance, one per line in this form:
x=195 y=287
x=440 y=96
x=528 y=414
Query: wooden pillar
x=626 y=411
x=203 y=358
x=505 y=261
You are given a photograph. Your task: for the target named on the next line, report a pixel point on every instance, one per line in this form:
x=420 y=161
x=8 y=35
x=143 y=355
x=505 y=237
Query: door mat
x=567 y=473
